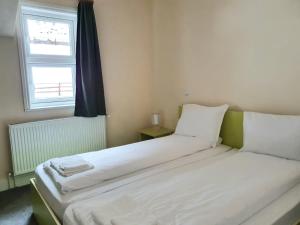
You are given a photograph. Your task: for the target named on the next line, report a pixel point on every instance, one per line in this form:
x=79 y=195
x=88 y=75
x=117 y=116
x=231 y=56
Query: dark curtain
x=89 y=101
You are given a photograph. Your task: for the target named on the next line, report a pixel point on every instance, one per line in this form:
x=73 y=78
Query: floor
x=15 y=207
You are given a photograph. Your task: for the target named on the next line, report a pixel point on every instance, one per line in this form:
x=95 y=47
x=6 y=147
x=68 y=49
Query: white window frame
x=27 y=61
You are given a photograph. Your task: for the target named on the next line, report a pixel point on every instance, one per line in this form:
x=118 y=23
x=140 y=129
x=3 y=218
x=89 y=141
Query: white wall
x=126 y=49
x=8 y=12
x=245 y=53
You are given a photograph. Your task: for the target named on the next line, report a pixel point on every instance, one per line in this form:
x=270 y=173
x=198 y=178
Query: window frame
x=27 y=60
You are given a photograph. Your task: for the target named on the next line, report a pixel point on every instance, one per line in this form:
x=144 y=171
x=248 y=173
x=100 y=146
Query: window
x=47 y=53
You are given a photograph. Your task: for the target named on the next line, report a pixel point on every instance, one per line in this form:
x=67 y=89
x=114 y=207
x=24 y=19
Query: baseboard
x=4 y=185
x=17 y=181
x=23 y=180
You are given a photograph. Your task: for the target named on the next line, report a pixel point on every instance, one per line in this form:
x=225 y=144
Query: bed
x=49 y=204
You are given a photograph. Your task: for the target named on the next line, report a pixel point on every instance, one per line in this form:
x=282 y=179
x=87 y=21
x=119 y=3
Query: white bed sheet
x=227 y=192
x=58 y=202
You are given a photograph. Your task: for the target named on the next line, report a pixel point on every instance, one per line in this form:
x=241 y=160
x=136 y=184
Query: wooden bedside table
x=154 y=132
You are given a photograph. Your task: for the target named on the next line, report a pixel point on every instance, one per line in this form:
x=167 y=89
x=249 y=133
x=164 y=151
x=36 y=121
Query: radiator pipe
x=11 y=177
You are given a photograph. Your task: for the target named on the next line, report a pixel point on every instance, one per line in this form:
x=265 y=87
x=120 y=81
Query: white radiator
x=35 y=142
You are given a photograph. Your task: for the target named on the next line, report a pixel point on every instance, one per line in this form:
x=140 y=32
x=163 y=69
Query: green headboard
x=232 y=128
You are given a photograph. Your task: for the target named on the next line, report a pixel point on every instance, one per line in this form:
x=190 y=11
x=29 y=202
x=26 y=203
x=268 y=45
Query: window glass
x=52 y=82
x=49 y=38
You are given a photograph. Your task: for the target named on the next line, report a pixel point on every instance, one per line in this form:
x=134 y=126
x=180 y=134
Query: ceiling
x=8 y=14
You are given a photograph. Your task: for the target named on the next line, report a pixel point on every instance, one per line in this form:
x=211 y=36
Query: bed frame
x=231 y=133
x=42 y=212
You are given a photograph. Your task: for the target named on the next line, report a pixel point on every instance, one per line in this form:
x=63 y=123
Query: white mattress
x=58 y=202
x=226 y=192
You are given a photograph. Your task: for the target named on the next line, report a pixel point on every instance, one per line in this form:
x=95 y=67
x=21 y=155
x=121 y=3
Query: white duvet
x=114 y=162
x=226 y=192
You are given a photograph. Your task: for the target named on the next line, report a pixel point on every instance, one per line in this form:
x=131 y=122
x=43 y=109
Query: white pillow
x=201 y=121
x=275 y=135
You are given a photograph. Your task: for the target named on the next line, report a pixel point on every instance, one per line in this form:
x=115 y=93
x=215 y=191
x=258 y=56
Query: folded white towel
x=70 y=165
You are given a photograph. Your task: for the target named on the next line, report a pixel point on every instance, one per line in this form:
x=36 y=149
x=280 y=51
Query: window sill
x=42 y=108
